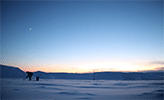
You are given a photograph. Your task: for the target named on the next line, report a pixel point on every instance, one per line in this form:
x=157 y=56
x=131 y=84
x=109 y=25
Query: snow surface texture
x=57 y=89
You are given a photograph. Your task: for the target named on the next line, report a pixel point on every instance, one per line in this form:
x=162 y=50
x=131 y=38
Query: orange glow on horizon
x=90 y=67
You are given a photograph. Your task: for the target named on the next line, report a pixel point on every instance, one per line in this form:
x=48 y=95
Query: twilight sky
x=82 y=36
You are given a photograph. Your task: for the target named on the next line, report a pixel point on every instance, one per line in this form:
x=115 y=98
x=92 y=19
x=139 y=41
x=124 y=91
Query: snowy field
x=52 y=89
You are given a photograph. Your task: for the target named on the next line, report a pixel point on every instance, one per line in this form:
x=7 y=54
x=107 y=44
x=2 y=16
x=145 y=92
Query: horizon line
x=139 y=71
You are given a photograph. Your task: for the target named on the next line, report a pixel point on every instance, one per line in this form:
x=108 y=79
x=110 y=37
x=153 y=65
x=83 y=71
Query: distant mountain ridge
x=13 y=72
x=103 y=76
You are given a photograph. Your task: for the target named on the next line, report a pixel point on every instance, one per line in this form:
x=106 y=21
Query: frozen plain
x=58 y=89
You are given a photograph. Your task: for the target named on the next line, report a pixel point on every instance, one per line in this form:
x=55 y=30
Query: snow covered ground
x=53 y=89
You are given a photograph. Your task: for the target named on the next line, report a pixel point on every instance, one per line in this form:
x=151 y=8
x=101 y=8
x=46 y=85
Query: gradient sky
x=82 y=36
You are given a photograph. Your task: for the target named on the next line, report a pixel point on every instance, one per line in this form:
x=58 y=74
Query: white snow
x=57 y=89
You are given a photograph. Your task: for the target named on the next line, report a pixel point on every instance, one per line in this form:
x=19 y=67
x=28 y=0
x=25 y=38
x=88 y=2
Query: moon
x=30 y=29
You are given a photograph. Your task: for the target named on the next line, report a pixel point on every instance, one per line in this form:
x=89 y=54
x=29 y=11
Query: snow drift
x=60 y=89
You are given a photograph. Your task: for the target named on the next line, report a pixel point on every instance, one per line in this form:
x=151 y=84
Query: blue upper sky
x=81 y=36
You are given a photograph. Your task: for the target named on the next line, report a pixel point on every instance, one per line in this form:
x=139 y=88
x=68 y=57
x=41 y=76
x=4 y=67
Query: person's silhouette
x=29 y=74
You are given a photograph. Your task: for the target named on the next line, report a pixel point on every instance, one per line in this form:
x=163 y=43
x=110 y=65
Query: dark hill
x=11 y=72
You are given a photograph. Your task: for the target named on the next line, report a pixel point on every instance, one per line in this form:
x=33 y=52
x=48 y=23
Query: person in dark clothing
x=29 y=74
